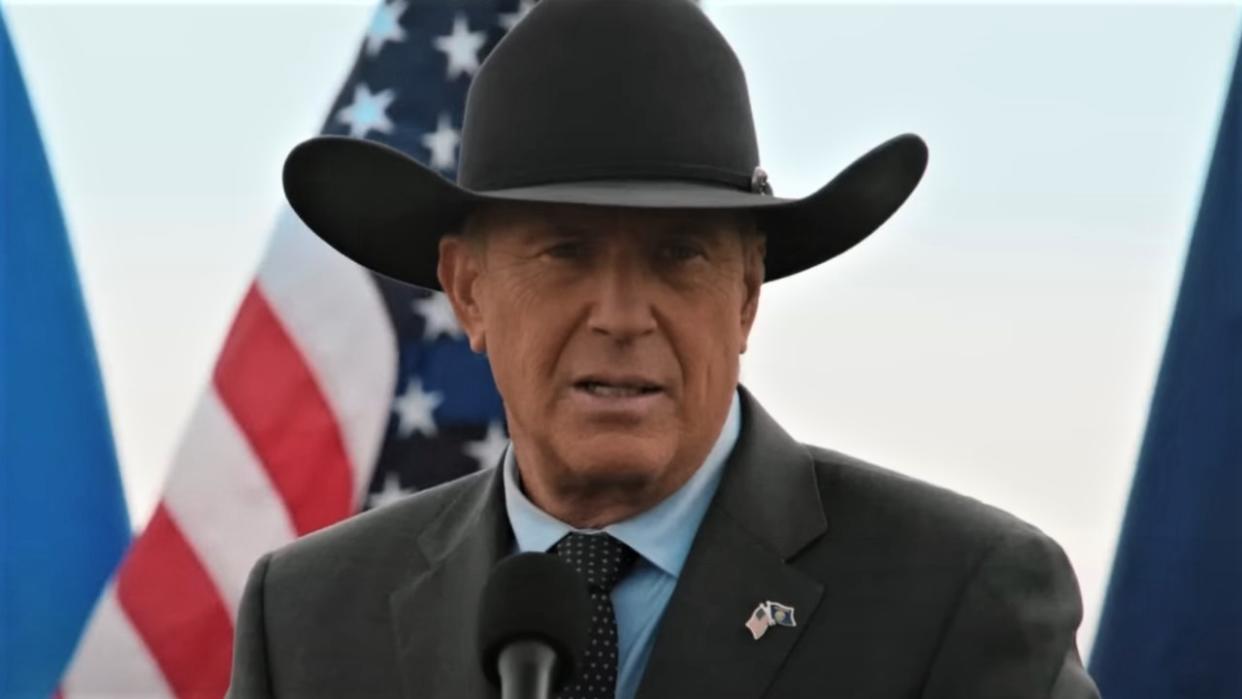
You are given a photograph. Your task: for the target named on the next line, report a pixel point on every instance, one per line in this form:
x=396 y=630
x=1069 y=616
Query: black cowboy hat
x=633 y=103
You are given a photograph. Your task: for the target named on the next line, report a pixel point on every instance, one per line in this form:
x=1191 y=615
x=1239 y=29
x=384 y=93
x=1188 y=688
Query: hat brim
x=387 y=212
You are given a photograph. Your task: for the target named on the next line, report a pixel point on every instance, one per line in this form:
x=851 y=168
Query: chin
x=618 y=461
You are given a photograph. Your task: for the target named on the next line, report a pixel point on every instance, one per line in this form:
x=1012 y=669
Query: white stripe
x=223 y=501
x=336 y=316
x=111 y=660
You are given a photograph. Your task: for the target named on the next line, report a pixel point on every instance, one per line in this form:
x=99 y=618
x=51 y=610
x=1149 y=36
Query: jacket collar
x=770 y=486
x=768 y=509
x=435 y=615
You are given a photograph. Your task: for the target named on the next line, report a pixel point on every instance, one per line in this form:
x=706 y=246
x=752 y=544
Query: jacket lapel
x=768 y=509
x=435 y=615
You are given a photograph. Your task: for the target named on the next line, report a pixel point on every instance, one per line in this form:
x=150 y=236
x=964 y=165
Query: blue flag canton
x=407 y=90
x=408 y=86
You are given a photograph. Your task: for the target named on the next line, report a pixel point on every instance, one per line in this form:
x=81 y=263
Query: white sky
x=999 y=336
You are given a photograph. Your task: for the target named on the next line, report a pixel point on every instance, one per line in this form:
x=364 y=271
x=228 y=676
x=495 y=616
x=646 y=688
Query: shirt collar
x=662 y=534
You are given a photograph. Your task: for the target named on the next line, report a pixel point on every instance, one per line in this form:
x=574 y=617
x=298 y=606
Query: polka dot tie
x=602 y=560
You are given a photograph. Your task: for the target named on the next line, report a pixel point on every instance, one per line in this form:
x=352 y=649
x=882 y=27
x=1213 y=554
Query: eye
x=567 y=250
x=681 y=251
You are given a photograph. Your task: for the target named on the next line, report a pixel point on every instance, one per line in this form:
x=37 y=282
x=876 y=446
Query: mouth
x=617 y=387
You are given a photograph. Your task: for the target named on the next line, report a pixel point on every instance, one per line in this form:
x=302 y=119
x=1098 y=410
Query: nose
x=622 y=304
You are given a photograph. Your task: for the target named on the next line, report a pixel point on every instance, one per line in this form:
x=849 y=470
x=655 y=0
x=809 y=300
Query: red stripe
x=264 y=381
x=176 y=610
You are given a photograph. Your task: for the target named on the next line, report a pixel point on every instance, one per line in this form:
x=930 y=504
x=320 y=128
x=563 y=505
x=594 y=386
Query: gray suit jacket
x=901 y=589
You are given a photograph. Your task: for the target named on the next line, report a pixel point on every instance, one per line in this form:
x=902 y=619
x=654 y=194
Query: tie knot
x=599 y=558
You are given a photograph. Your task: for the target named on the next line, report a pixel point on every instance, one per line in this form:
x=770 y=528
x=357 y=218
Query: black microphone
x=534 y=622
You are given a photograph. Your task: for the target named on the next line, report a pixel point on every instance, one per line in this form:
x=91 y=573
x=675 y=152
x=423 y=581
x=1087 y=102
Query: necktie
x=602 y=560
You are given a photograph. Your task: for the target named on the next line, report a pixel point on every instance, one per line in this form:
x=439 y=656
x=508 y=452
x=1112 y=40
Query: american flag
x=336 y=390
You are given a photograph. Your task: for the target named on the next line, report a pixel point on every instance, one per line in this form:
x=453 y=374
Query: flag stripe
x=221 y=496
x=338 y=321
x=111 y=660
x=162 y=586
x=276 y=401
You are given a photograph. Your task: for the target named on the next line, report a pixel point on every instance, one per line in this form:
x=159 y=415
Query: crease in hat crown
x=605 y=63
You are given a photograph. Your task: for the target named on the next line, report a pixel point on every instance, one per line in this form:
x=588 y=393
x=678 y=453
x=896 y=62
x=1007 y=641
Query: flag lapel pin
x=781 y=614
x=767 y=615
x=759 y=621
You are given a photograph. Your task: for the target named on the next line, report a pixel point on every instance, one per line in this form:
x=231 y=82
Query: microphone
x=534 y=622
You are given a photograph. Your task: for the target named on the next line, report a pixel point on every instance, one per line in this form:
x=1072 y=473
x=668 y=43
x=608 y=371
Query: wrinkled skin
x=614 y=336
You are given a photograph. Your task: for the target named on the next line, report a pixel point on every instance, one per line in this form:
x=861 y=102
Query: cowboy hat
x=631 y=103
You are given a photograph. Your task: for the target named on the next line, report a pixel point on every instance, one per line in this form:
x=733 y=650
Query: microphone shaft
x=526 y=670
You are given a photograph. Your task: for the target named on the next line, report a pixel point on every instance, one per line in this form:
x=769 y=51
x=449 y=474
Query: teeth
x=610 y=391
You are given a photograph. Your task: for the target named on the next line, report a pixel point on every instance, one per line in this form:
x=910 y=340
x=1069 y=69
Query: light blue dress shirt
x=661 y=535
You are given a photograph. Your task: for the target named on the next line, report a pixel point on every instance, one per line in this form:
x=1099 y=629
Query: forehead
x=560 y=219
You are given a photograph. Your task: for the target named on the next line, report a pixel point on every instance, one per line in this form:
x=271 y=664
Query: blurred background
x=1000 y=336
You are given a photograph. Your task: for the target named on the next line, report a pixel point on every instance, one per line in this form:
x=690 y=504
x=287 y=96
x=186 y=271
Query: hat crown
x=608 y=89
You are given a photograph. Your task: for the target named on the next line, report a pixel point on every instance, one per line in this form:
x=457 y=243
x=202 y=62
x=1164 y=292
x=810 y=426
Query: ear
x=752 y=281
x=459 y=270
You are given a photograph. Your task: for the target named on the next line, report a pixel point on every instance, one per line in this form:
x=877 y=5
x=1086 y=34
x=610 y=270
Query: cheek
x=526 y=332
x=707 y=342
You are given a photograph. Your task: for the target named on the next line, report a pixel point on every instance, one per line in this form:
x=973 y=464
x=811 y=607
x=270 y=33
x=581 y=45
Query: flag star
x=488 y=450
x=438 y=317
x=509 y=20
x=385 y=26
x=414 y=410
x=443 y=144
x=367 y=113
x=391 y=492
x=461 y=47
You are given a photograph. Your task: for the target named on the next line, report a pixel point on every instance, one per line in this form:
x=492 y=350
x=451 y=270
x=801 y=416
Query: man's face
x=614 y=336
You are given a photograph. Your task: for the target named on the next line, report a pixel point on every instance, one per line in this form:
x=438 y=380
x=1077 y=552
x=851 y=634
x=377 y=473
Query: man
x=605 y=245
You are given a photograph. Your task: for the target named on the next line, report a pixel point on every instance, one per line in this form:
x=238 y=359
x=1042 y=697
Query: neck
x=591 y=501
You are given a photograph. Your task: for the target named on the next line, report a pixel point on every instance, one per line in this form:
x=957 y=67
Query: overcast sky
x=999 y=336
